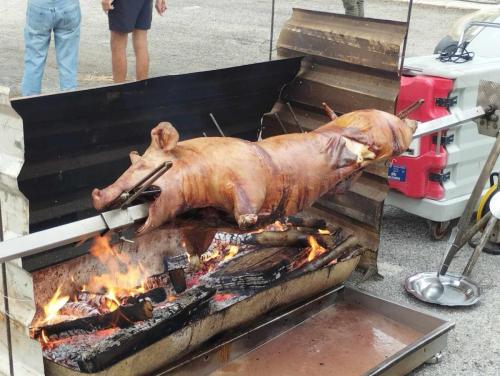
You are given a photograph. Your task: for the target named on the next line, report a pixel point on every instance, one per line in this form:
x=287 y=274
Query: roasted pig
x=257 y=182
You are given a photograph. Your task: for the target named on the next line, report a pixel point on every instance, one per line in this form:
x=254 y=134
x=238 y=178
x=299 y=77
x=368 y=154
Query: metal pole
x=484 y=238
x=408 y=17
x=272 y=32
x=463 y=223
x=6 y=305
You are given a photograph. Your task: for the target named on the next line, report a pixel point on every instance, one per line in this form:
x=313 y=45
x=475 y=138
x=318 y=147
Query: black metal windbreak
x=79 y=140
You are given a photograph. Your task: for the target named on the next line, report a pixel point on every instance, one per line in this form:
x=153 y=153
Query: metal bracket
x=439 y=177
x=488 y=96
x=445 y=140
x=446 y=102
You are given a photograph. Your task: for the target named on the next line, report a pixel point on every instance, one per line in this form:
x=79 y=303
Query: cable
x=455 y=54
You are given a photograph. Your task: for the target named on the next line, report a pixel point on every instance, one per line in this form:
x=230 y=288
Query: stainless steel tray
x=344 y=331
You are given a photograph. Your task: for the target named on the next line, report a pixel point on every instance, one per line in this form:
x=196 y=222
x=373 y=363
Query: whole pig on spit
x=258 y=182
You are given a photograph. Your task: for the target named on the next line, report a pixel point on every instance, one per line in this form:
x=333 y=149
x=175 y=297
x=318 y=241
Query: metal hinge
x=439 y=177
x=446 y=102
x=445 y=140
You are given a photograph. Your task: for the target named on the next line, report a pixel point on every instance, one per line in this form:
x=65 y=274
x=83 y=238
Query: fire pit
x=125 y=297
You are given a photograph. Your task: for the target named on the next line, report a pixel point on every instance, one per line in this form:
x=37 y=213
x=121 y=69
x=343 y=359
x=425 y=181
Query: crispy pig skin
x=259 y=181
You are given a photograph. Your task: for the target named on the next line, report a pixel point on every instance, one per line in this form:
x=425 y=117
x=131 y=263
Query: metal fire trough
x=54 y=149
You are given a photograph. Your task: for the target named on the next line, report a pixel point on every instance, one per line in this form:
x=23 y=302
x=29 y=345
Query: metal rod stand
x=464 y=221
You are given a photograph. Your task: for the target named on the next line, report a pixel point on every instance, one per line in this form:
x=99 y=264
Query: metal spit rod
x=74 y=232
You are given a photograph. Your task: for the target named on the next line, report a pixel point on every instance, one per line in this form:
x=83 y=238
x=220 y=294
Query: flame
x=54 y=305
x=43 y=337
x=210 y=255
x=171 y=298
x=316 y=249
x=233 y=250
x=322 y=231
x=122 y=277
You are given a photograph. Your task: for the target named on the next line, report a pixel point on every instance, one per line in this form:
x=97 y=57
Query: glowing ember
x=52 y=308
x=324 y=232
x=233 y=250
x=222 y=297
x=316 y=249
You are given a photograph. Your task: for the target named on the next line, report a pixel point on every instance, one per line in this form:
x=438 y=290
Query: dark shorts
x=130 y=14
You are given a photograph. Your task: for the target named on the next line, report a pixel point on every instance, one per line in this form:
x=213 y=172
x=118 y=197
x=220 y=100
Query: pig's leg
x=246 y=206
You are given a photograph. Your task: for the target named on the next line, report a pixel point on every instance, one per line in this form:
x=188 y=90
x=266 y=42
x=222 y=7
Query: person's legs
x=119 y=55
x=361 y=8
x=37 y=33
x=350 y=7
x=140 y=38
x=67 y=40
x=140 y=41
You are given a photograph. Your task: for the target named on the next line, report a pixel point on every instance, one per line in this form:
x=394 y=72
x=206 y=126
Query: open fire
x=124 y=305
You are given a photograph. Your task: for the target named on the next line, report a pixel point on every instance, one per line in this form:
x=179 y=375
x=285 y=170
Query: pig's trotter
x=246 y=221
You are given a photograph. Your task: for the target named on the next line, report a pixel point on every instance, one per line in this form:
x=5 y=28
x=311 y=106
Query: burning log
x=167 y=320
x=253 y=270
x=156 y=295
x=317 y=223
x=155 y=281
x=122 y=317
x=175 y=266
x=95 y=300
x=78 y=309
x=348 y=244
x=293 y=237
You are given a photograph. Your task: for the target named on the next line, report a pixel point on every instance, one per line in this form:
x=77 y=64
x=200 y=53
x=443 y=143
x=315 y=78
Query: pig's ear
x=134 y=156
x=164 y=136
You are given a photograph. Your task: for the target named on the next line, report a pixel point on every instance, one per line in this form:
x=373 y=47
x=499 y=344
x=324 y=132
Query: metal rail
x=70 y=233
x=458 y=117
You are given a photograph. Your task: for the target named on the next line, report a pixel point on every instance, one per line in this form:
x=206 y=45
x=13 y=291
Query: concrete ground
x=198 y=35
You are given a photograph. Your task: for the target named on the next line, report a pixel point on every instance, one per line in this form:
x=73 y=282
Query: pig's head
x=384 y=134
x=164 y=138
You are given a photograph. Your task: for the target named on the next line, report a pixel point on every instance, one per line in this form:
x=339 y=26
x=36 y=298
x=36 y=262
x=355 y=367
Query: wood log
x=292 y=238
x=78 y=309
x=122 y=317
x=156 y=295
x=121 y=344
x=155 y=281
x=254 y=270
x=317 y=223
x=93 y=299
x=349 y=244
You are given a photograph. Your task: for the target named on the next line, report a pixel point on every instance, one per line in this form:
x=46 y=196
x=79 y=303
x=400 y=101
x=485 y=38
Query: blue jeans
x=42 y=18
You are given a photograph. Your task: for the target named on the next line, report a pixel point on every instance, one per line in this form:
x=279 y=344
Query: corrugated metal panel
x=350 y=63
x=79 y=140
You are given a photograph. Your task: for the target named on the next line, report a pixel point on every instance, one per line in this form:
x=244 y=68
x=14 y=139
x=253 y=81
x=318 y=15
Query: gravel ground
x=196 y=35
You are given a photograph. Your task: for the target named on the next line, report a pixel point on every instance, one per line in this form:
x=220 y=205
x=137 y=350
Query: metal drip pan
x=456 y=290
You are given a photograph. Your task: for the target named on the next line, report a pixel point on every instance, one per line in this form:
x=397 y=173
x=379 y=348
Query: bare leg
x=140 y=41
x=119 y=56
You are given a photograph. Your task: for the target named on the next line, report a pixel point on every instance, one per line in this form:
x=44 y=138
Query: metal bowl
x=448 y=290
